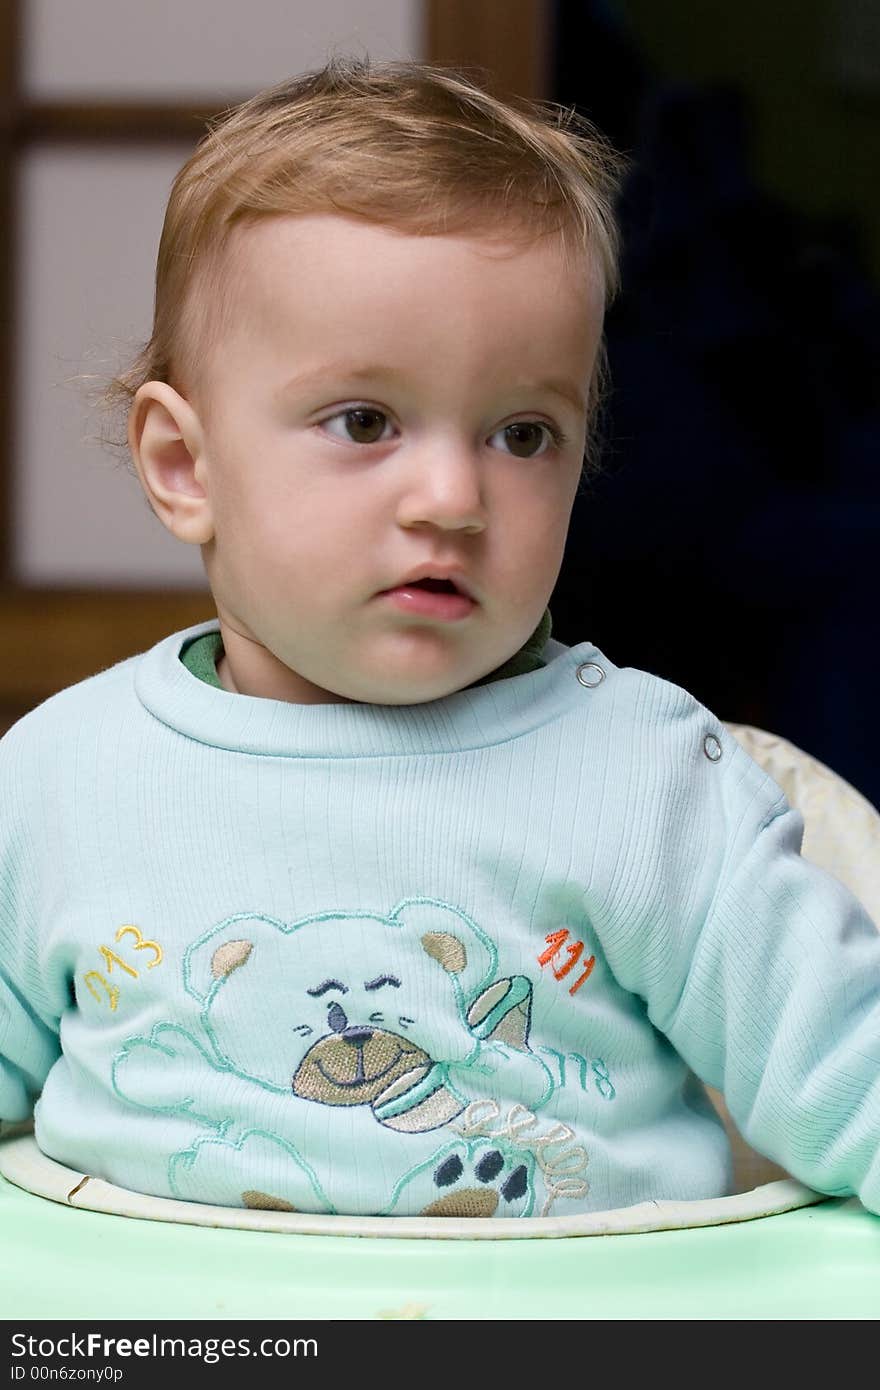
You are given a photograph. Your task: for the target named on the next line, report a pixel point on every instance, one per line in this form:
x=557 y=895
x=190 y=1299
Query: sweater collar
x=491 y=711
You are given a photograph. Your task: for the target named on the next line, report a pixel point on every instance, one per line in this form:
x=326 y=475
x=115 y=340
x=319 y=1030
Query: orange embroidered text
x=559 y=946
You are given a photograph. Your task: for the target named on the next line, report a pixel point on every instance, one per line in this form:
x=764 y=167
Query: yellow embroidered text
x=112 y=960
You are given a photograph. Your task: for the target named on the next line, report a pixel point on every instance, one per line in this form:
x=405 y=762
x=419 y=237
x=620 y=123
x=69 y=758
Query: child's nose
x=444 y=488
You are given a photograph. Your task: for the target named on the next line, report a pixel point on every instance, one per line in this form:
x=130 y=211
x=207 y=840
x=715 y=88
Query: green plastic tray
x=64 y=1262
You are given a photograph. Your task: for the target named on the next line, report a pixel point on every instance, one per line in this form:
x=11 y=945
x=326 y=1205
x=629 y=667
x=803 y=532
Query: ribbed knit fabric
x=454 y=958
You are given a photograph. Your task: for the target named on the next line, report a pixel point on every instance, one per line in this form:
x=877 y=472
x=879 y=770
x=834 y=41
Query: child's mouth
x=431 y=598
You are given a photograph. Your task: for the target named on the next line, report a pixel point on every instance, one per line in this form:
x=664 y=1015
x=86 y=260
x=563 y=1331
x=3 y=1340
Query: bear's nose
x=357 y=1036
x=339 y=1023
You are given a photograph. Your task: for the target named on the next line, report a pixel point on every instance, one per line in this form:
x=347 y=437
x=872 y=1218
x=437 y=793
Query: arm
x=773 y=992
x=28 y=1021
x=28 y=1049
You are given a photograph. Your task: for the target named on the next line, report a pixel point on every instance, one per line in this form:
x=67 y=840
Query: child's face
x=313 y=511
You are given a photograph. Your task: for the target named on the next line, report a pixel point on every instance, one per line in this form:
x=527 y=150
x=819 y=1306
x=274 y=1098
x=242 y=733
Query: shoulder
x=76 y=700
x=626 y=698
x=665 y=741
x=58 y=731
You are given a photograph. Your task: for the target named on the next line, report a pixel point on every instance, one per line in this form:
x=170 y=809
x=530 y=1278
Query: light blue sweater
x=457 y=957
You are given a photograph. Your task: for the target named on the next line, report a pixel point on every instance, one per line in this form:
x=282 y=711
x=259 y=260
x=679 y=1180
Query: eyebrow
x=556 y=386
x=382 y=980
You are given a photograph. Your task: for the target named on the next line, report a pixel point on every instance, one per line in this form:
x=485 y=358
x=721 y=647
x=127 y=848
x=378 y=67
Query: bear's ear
x=222 y=949
x=447 y=949
x=229 y=957
x=450 y=937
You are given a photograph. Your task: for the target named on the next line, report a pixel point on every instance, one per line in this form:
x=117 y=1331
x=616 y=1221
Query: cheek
x=535 y=531
x=260 y=525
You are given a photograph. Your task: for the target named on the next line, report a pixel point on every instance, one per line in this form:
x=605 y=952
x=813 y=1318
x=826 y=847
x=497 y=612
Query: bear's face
x=340 y=1009
x=356 y=1062
x=360 y=1039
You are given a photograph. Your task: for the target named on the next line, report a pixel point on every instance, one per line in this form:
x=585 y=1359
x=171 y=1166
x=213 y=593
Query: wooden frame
x=52 y=637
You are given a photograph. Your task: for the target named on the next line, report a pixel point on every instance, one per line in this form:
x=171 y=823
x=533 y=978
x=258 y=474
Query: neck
x=248 y=668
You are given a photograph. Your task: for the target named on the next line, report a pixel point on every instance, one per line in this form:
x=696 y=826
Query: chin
x=407 y=693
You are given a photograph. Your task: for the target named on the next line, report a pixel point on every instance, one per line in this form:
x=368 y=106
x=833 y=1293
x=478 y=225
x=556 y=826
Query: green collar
x=201 y=654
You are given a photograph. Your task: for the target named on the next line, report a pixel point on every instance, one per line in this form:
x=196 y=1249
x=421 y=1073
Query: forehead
x=309 y=285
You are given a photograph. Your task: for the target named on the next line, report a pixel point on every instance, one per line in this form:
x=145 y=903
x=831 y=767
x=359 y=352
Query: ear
x=167 y=446
x=447 y=949
x=223 y=949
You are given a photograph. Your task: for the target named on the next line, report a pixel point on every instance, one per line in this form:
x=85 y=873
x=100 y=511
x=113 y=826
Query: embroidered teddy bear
x=398 y=1023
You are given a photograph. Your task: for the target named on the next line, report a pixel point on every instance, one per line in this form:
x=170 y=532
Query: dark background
x=729 y=543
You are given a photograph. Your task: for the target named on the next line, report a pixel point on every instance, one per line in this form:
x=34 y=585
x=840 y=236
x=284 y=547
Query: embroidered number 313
x=557 y=946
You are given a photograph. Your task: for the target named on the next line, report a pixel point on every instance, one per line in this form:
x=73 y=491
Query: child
x=370 y=897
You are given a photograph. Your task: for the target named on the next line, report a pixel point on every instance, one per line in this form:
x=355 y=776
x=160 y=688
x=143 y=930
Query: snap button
x=712 y=748
x=590 y=675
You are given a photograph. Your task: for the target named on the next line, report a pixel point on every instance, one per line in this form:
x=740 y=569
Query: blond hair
x=419 y=148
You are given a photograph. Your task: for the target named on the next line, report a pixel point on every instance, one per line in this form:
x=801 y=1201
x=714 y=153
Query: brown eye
x=362 y=425
x=525 y=438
